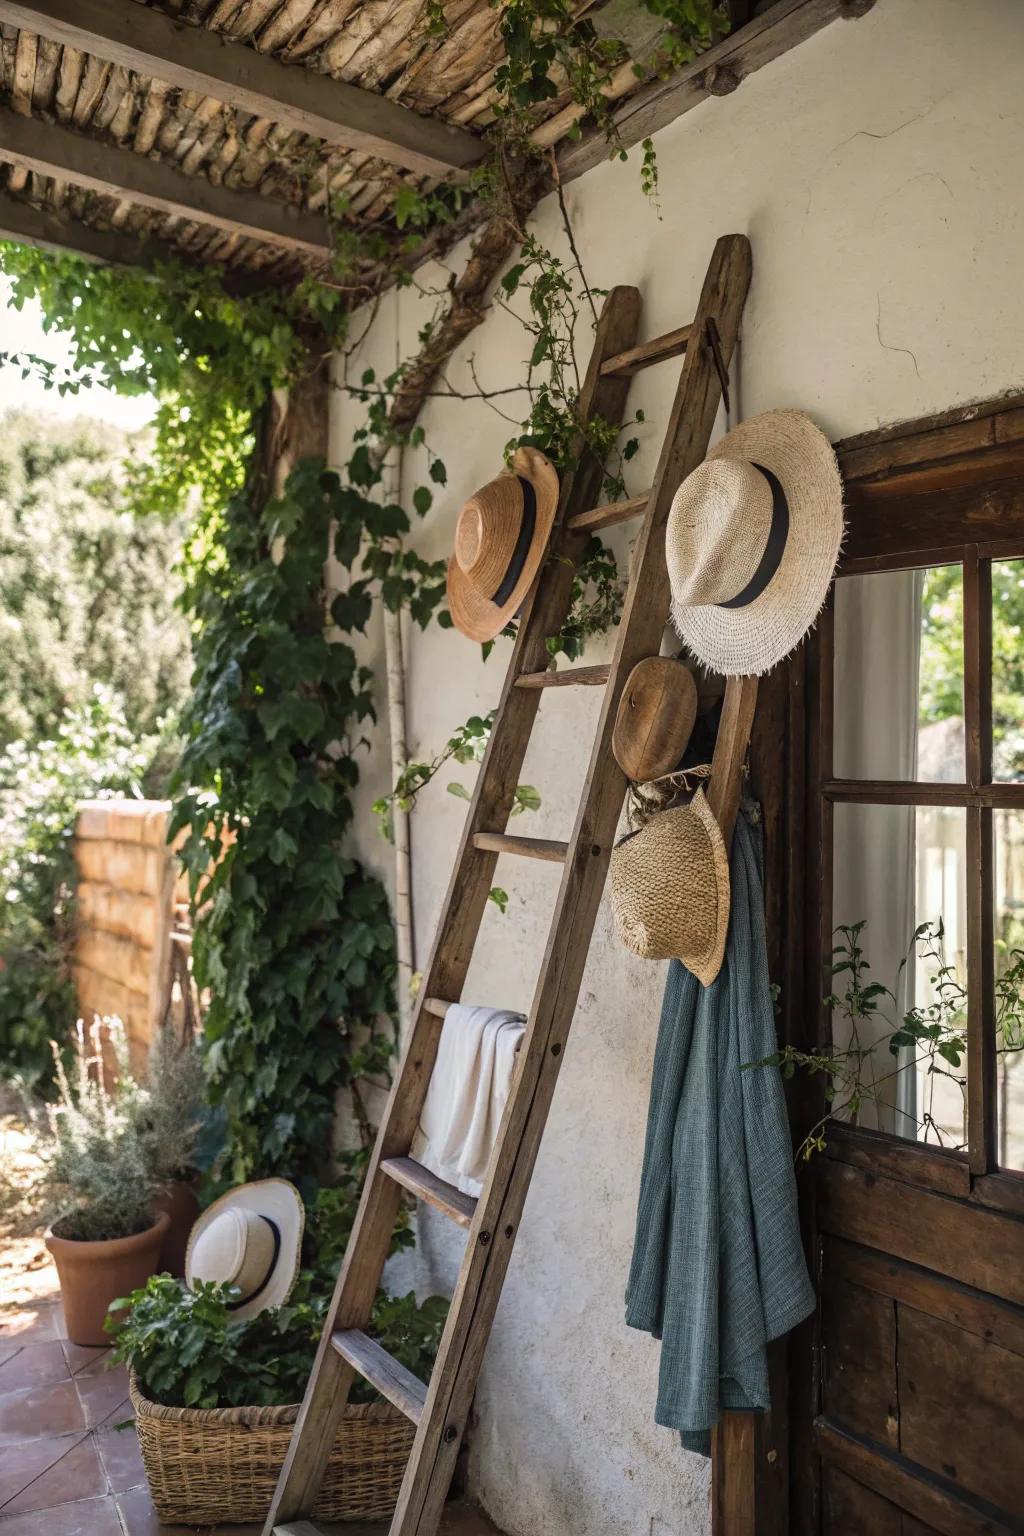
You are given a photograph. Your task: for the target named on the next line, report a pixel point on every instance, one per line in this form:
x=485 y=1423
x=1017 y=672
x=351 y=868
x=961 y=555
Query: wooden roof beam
x=194 y=58
x=52 y=150
x=29 y=224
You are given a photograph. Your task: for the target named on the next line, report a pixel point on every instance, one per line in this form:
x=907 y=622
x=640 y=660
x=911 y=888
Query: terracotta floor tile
x=38 y=1411
x=101 y=1390
x=81 y=1356
x=140 y=1519
x=89 y=1517
x=121 y=1458
x=19 y=1464
x=31 y=1325
x=34 y=1365
x=76 y=1474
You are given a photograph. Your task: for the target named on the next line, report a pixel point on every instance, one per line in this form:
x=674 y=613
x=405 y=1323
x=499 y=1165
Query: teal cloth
x=718 y=1267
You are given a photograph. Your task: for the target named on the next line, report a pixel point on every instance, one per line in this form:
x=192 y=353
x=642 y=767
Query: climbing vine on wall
x=294 y=940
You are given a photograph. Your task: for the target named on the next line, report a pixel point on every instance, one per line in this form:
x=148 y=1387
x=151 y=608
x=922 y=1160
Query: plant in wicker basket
x=215 y=1397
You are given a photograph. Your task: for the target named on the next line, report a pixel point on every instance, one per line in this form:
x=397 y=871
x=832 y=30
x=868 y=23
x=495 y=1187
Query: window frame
x=940 y=492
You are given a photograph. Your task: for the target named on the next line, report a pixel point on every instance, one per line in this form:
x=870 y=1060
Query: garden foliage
x=294 y=938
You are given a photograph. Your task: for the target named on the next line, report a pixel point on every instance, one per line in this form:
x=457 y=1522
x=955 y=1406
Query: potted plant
x=216 y=1397
x=98 y=1180
x=171 y=1116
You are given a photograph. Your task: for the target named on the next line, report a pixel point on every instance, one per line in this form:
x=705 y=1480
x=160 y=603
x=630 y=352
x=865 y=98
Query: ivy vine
x=294 y=939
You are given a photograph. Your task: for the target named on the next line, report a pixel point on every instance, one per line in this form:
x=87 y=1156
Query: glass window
x=899 y=1020
x=899 y=676
x=1007 y=670
x=1009 y=984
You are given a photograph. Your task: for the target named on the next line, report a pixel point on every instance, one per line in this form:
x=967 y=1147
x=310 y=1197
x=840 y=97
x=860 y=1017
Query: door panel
x=915 y=816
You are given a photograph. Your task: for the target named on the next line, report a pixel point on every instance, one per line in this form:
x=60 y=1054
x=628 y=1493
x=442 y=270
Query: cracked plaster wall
x=878 y=172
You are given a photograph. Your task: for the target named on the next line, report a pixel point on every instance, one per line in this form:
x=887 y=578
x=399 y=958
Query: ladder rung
x=624 y=364
x=427 y=1186
x=526 y=847
x=382 y=1371
x=607 y=517
x=571 y=677
x=437 y=1006
x=298 y=1528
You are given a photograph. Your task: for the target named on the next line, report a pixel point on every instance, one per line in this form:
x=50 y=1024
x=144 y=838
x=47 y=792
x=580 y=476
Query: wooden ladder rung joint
x=570 y=677
x=545 y=848
x=625 y=364
x=608 y=516
x=425 y=1185
x=382 y=1371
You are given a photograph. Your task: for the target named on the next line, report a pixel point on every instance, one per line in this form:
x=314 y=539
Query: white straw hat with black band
x=250 y=1238
x=751 y=543
x=500 y=541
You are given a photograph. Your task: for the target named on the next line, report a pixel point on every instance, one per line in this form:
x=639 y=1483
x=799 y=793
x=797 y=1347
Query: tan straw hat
x=751 y=543
x=251 y=1237
x=655 y=718
x=500 y=540
x=670 y=889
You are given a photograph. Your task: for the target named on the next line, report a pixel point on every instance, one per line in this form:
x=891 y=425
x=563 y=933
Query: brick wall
x=127 y=888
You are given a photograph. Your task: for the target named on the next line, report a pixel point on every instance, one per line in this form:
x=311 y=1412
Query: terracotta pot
x=181 y=1204
x=92 y=1275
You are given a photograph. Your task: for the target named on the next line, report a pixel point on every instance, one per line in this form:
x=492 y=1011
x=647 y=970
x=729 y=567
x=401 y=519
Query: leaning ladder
x=440 y=1408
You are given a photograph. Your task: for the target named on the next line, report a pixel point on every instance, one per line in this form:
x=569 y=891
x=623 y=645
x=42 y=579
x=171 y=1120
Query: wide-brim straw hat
x=500 y=541
x=751 y=543
x=670 y=889
x=252 y=1238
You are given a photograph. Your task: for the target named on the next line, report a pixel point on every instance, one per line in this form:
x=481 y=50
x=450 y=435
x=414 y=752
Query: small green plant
x=172 y=1112
x=98 y=1175
x=188 y=1349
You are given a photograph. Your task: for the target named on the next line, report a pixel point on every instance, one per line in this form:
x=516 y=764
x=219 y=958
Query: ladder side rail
x=472 y=876
x=501 y=1203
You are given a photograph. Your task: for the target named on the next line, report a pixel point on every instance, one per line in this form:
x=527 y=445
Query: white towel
x=470 y=1084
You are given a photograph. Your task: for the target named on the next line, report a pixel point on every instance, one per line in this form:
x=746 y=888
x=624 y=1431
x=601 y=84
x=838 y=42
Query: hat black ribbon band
x=523 y=542
x=243 y=1300
x=774 y=548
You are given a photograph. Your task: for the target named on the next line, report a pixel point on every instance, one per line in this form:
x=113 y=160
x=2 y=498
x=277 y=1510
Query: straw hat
x=751 y=543
x=500 y=540
x=670 y=889
x=251 y=1237
x=655 y=718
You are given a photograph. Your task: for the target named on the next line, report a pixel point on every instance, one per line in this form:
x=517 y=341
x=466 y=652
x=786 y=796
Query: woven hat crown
x=237 y=1248
x=717 y=532
x=487 y=530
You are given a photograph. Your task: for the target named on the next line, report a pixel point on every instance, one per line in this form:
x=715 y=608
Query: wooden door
x=912 y=1421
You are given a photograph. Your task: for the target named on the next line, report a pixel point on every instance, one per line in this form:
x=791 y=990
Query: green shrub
x=92 y=753
x=98 y=1176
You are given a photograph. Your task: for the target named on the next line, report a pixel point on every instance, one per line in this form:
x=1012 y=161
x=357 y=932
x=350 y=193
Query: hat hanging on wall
x=500 y=541
x=670 y=889
x=655 y=718
x=251 y=1237
x=751 y=543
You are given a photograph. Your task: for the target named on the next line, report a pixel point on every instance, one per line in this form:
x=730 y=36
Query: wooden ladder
x=440 y=1409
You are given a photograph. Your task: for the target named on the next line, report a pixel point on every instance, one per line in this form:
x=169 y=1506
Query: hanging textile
x=718 y=1268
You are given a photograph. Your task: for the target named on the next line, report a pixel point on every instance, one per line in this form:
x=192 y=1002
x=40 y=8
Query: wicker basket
x=210 y=1466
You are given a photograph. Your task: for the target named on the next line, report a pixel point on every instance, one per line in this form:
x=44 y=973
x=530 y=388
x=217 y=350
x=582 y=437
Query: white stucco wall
x=878 y=172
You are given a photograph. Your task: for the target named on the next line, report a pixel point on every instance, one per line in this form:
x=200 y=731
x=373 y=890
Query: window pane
x=1009 y=935
x=899 y=676
x=901 y=1009
x=1008 y=669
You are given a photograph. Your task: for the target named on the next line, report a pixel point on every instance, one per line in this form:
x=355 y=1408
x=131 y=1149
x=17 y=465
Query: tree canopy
x=88 y=588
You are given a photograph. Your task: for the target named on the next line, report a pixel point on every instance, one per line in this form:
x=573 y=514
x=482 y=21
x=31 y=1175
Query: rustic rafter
x=52 y=150
x=144 y=39
x=54 y=231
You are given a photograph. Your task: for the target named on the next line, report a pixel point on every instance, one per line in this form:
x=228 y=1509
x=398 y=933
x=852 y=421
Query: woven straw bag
x=670 y=889
x=208 y=1466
